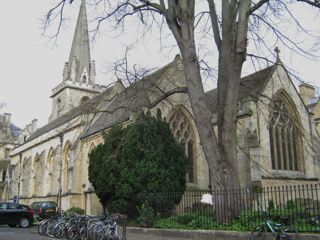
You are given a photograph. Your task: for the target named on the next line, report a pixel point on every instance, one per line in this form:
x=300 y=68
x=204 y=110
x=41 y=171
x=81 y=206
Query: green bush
x=246 y=221
x=136 y=162
x=184 y=219
x=75 y=210
x=270 y=205
x=203 y=208
x=146 y=215
x=291 y=204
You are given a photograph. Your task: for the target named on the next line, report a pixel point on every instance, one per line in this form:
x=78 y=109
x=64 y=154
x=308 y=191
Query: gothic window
x=26 y=177
x=39 y=170
x=49 y=168
x=182 y=131
x=67 y=173
x=285 y=141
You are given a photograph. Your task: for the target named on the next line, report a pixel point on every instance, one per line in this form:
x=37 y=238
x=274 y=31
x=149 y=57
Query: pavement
x=7 y=233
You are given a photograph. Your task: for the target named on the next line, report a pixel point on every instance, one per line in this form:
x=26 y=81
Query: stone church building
x=276 y=131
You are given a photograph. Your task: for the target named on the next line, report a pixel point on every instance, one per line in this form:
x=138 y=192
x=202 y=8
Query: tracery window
x=285 y=140
x=182 y=131
x=49 y=168
x=67 y=171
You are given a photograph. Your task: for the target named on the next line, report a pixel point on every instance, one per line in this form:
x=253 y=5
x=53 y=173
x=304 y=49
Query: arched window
x=183 y=133
x=39 y=170
x=67 y=174
x=26 y=177
x=285 y=138
x=49 y=171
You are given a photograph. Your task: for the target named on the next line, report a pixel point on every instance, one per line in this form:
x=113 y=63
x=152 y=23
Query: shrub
x=290 y=204
x=203 y=208
x=146 y=215
x=75 y=210
x=136 y=162
x=270 y=205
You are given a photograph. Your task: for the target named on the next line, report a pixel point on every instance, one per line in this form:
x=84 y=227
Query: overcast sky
x=31 y=68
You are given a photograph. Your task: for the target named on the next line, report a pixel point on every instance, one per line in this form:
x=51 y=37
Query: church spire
x=78 y=69
x=78 y=83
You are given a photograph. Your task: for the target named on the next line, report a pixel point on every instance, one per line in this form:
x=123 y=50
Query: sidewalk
x=134 y=233
x=137 y=236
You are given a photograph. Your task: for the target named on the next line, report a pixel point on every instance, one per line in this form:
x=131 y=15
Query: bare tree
x=230 y=28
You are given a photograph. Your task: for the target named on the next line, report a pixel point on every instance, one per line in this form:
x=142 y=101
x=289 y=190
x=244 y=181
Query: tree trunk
x=218 y=160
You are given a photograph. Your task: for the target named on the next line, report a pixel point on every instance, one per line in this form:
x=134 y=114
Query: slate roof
x=250 y=86
x=84 y=108
x=134 y=97
x=128 y=101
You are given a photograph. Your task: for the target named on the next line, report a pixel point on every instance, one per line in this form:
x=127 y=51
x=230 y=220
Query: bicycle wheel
x=50 y=230
x=258 y=235
x=83 y=233
x=102 y=234
x=283 y=237
x=117 y=234
x=72 y=233
x=42 y=227
x=59 y=230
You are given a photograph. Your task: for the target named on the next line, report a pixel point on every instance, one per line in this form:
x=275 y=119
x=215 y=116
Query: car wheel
x=24 y=222
x=12 y=225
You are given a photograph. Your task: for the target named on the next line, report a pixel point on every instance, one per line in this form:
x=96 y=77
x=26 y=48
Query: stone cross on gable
x=277 y=50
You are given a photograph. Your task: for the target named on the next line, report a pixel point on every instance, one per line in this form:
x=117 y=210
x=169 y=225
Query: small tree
x=136 y=161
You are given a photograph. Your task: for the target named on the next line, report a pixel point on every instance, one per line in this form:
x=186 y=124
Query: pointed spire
x=79 y=60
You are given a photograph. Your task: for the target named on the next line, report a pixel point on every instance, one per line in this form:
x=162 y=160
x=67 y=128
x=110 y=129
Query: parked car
x=44 y=209
x=15 y=214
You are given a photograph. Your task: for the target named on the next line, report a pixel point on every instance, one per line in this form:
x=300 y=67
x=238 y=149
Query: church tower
x=78 y=83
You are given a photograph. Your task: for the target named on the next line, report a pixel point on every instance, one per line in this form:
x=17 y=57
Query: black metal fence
x=296 y=207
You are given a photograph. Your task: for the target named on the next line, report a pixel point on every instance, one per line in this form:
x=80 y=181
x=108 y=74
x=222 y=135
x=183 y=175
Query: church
x=276 y=133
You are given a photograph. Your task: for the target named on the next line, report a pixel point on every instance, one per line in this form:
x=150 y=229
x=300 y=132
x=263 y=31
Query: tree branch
x=215 y=25
x=257 y=6
x=315 y=3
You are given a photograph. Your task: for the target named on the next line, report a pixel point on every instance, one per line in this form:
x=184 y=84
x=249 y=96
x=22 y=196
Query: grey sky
x=31 y=69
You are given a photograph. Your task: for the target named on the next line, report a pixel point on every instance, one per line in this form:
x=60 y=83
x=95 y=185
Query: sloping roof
x=128 y=101
x=250 y=86
x=135 y=96
x=87 y=107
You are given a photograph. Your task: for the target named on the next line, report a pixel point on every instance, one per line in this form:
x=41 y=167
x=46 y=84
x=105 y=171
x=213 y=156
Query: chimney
x=307 y=92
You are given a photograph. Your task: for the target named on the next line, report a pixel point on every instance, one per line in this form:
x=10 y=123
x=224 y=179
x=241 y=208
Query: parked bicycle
x=270 y=228
x=81 y=227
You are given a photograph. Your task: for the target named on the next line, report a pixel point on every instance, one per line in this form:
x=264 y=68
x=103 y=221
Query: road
x=7 y=233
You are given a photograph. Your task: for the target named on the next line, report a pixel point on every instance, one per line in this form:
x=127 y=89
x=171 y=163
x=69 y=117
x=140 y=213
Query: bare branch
x=257 y=6
x=314 y=3
x=215 y=25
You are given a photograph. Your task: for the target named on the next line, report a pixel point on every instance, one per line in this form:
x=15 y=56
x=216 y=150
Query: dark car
x=44 y=209
x=15 y=214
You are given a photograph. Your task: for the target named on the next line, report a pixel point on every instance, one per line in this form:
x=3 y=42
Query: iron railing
x=296 y=207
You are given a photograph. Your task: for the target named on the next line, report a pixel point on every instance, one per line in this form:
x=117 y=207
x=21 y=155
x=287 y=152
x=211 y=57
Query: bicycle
x=268 y=226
